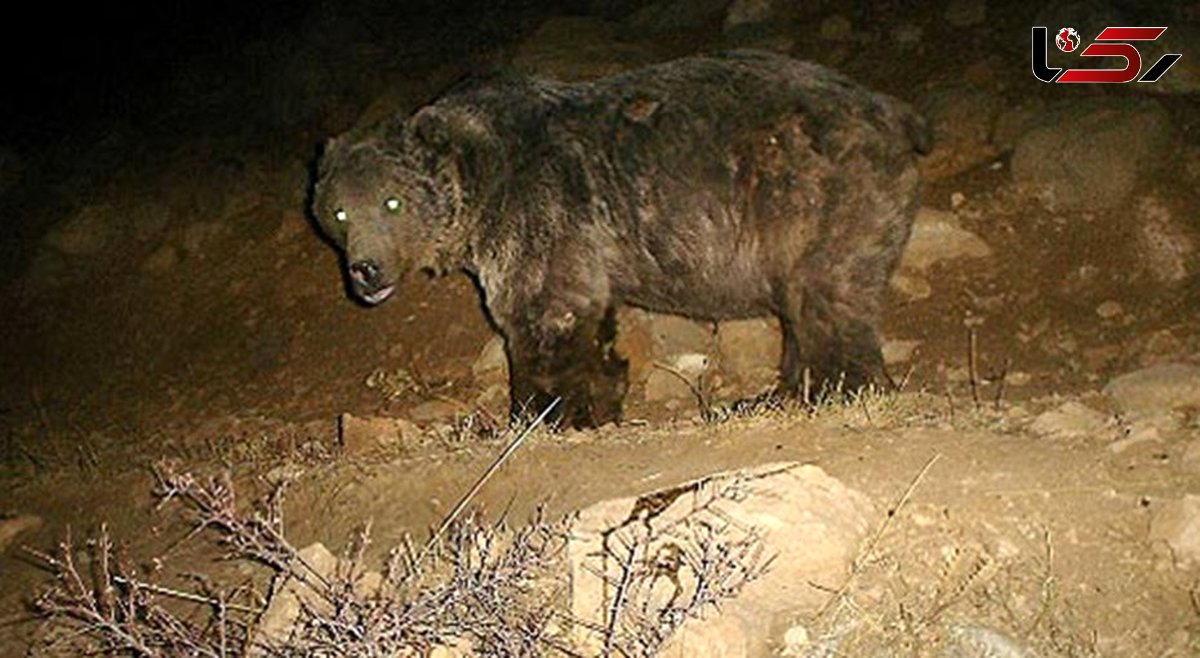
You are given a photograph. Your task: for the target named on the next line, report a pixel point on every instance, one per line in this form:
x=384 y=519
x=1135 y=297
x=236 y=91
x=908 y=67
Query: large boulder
x=1158 y=389
x=810 y=523
x=1090 y=154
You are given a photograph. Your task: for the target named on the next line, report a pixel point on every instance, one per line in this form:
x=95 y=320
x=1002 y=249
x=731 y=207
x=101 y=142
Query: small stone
x=691 y=364
x=1177 y=523
x=1072 y=419
x=289 y=597
x=435 y=411
x=363 y=435
x=1109 y=310
x=796 y=641
x=492 y=363
x=494 y=398
x=1018 y=378
x=957 y=199
x=912 y=286
x=937 y=237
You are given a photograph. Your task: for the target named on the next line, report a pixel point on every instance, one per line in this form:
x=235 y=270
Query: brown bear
x=719 y=186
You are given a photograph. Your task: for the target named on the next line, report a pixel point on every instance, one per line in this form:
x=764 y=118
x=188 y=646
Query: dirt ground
x=227 y=342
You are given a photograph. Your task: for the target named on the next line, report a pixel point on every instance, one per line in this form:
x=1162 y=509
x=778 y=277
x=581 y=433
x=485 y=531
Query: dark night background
x=164 y=293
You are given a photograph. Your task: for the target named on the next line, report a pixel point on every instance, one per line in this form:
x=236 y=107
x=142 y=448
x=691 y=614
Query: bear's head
x=402 y=198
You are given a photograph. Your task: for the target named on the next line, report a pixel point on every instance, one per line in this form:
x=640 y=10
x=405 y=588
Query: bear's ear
x=446 y=130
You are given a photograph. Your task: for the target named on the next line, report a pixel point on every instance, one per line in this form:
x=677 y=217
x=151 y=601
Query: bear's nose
x=365 y=273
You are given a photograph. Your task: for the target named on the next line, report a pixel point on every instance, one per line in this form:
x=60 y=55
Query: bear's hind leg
x=839 y=350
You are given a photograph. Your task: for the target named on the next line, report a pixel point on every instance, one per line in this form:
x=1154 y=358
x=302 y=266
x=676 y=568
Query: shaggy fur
x=714 y=187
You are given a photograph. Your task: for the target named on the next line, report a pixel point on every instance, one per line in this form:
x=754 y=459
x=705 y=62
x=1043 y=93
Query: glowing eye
x=392 y=204
x=340 y=215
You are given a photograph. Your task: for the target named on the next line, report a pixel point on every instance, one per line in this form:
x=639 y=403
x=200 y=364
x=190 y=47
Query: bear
x=718 y=186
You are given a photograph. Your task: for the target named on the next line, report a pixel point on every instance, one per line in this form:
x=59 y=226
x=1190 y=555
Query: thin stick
x=186 y=596
x=857 y=565
x=973 y=364
x=1000 y=385
x=487 y=475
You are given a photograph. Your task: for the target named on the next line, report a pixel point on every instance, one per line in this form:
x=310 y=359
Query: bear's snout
x=369 y=282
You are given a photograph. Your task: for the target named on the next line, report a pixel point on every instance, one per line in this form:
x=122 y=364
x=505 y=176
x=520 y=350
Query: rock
x=646 y=339
x=836 y=28
x=663 y=385
x=578 y=48
x=1072 y=419
x=749 y=352
x=1018 y=378
x=288 y=597
x=796 y=642
x=810 y=522
x=433 y=412
x=1089 y=154
x=491 y=366
x=1164 y=247
x=1177 y=522
x=965 y=13
x=90 y=231
x=673 y=335
x=962 y=117
x=1142 y=429
x=973 y=641
x=937 y=237
x=12 y=526
x=676 y=16
x=494 y=399
x=1168 y=387
x=912 y=286
x=899 y=351
x=1109 y=310
x=359 y=436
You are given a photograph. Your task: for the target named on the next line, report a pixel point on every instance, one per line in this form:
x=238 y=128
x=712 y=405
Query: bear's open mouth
x=376 y=296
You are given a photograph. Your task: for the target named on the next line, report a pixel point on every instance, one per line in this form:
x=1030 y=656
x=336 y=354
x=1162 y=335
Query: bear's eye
x=341 y=215
x=392 y=204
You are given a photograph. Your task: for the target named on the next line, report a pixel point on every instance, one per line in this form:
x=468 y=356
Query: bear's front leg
x=559 y=352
